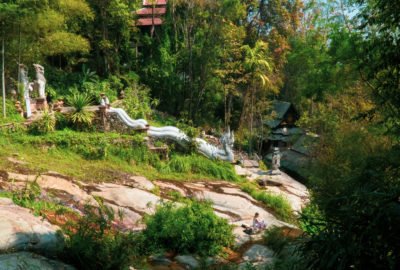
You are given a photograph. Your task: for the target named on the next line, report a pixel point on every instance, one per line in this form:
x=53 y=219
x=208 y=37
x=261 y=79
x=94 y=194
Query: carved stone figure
x=23 y=75
x=276 y=159
x=203 y=147
x=124 y=117
x=40 y=80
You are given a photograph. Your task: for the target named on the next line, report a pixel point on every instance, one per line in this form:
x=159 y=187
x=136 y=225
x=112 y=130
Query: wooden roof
x=149 y=11
x=158 y=2
x=149 y=21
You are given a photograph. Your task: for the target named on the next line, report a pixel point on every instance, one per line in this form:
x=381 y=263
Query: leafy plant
x=190 y=228
x=46 y=124
x=81 y=116
x=92 y=243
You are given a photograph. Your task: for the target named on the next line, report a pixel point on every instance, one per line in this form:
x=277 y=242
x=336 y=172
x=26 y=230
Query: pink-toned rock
x=21 y=230
x=134 y=198
x=142 y=183
x=56 y=183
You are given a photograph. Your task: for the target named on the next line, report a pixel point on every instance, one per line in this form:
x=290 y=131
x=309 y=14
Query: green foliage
x=357 y=199
x=81 y=117
x=380 y=57
x=197 y=164
x=275 y=239
x=46 y=124
x=137 y=102
x=92 y=243
x=12 y=115
x=31 y=197
x=277 y=203
x=189 y=228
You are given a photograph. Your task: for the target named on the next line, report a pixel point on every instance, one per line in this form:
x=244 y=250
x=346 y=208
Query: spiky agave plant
x=81 y=116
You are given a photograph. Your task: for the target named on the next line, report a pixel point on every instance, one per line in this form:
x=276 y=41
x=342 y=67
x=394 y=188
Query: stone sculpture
x=276 y=160
x=23 y=75
x=176 y=135
x=40 y=82
x=124 y=117
x=203 y=147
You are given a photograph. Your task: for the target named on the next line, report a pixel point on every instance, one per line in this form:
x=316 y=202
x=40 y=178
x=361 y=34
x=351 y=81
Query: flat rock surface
x=21 y=230
x=134 y=198
x=142 y=183
x=280 y=184
x=30 y=261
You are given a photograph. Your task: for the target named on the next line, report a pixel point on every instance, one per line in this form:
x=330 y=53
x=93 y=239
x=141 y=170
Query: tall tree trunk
x=3 y=83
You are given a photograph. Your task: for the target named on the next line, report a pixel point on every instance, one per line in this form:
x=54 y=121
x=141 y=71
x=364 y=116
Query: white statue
x=124 y=117
x=40 y=80
x=203 y=147
x=23 y=75
x=276 y=159
x=176 y=135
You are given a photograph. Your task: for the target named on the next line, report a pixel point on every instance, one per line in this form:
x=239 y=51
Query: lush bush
x=190 y=228
x=92 y=243
x=137 y=102
x=12 y=115
x=81 y=117
x=355 y=221
x=46 y=124
x=277 y=203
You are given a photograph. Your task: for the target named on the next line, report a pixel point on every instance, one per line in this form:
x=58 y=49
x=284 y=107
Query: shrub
x=46 y=124
x=138 y=102
x=92 y=243
x=191 y=228
x=81 y=117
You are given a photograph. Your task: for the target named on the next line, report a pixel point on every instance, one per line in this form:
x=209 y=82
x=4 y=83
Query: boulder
x=28 y=261
x=135 y=199
x=188 y=261
x=21 y=230
x=142 y=183
x=258 y=254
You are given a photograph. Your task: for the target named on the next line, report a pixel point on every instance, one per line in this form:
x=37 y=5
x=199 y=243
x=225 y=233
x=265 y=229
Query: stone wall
x=109 y=121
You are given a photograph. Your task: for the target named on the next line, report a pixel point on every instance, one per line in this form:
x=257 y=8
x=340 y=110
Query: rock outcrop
x=21 y=230
x=27 y=260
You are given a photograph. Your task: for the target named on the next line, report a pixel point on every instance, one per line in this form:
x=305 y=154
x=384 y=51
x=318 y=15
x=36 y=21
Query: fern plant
x=81 y=116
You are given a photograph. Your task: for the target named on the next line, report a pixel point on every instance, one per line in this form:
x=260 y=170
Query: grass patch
x=105 y=157
x=196 y=164
x=277 y=203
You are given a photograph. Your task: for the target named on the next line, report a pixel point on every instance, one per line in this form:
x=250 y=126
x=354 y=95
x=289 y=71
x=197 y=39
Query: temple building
x=152 y=13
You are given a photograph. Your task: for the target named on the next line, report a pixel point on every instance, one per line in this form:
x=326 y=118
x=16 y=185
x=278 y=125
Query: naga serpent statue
x=176 y=135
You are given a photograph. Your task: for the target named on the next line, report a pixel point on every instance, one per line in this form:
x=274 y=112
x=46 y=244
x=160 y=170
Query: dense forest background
x=219 y=63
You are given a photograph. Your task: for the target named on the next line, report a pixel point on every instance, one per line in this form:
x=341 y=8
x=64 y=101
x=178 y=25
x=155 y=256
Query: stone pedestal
x=41 y=104
x=103 y=118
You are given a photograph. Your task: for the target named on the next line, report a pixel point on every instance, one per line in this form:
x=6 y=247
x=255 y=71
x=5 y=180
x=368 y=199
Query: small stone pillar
x=103 y=117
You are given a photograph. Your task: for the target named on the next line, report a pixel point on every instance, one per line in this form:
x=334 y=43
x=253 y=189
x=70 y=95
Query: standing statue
x=23 y=75
x=40 y=80
x=276 y=160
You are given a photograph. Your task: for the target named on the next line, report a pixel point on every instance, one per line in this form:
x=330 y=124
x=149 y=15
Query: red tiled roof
x=149 y=11
x=158 y=2
x=149 y=21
